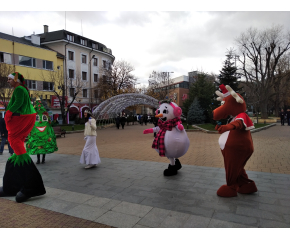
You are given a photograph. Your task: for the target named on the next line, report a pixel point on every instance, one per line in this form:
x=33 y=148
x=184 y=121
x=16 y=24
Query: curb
x=263 y=128
x=252 y=131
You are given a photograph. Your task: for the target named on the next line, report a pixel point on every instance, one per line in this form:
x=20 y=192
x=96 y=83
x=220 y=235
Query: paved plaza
x=128 y=188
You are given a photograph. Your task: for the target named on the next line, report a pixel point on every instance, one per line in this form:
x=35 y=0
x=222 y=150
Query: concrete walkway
x=130 y=193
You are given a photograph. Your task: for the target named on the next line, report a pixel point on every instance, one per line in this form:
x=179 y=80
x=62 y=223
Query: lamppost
x=91 y=83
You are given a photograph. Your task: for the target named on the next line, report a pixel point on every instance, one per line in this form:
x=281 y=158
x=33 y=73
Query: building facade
x=84 y=64
x=27 y=56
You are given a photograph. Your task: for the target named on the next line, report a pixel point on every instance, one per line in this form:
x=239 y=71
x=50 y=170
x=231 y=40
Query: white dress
x=90 y=154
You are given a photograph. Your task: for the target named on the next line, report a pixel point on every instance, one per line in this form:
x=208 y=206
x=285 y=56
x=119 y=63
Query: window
x=70 y=55
x=84 y=42
x=95 y=77
x=85 y=93
x=47 y=65
x=104 y=63
x=96 y=95
x=70 y=38
x=95 y=62
x=71 y=73
x=94 y=46
x=84 y=58
x=84 y=75
x=71 y=92
x=31 y=84
x=1 y=57
x=48 y=86
x=27 y=61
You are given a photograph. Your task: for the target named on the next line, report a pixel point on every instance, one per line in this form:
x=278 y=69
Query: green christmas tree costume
x=41 y=139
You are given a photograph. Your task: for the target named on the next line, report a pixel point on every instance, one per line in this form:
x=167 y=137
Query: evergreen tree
x=195 y=113
x=228 y=74
x=204 y=89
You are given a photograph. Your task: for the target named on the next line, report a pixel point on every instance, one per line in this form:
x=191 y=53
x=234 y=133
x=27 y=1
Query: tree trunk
x=264 y=112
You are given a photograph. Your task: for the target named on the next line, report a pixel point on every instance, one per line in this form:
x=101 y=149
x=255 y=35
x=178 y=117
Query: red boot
x=227 y=191
x=248 y=188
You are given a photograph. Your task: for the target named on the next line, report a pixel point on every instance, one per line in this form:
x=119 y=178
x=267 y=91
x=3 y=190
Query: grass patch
x=210 y=127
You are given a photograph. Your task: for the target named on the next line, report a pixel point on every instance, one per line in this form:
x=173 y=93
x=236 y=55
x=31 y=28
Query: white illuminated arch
x=114 y=105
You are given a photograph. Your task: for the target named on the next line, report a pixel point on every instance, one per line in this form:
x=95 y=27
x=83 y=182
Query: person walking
x=282 y=116
x=145 y=118
x=123 y=120
x=118 y=121
x=90 y=155
x=4 y=136
x=288 y=116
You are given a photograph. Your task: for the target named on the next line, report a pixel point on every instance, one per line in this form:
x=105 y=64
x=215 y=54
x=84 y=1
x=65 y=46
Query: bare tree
x=116 y=79
x=260 y=53
x=74 y=87
x=159 y=84
x=5 y=89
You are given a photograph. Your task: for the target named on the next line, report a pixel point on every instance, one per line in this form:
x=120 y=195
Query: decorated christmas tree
x=41 y=139
x=195 y=113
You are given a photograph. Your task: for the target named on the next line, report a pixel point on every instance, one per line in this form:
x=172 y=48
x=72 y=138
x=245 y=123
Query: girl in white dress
x=90 y=155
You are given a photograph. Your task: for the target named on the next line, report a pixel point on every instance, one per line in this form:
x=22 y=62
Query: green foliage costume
x=41 y=139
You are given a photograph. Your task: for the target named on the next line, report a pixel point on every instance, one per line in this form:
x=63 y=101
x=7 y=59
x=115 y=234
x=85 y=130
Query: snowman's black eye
x=158 y=111
x=165 y=111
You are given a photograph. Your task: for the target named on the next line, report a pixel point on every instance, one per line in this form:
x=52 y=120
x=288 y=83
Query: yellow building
x=39 y=64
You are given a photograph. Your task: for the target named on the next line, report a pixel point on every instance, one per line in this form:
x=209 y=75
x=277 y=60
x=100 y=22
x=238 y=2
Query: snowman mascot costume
x=171 y=140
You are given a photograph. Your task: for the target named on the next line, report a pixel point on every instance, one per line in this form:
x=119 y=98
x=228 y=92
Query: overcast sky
x=173 y=41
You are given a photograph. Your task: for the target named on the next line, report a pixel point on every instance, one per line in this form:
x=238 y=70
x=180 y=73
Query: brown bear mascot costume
x=235 y=142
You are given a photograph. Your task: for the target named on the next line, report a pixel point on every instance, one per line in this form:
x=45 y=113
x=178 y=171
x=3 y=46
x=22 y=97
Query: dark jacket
x=282 y=115
x=123 y=120
x=3 y=129
x=288 y=114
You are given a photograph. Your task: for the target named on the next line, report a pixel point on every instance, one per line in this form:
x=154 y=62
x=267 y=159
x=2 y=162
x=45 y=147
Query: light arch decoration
x=114 y=105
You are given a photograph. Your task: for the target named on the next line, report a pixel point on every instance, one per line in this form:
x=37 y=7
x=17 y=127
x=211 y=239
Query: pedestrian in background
x=4 y=136
x=145 y=118
x=282 y=116
x=118 y=121
x=123 y=120
x=90 y=155
x=288 y=116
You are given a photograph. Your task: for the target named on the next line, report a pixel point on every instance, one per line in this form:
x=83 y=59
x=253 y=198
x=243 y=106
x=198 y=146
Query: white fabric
x=172 y=160
x=90 y=128
x=226 y=94
x=90 y=154
x=224 y=137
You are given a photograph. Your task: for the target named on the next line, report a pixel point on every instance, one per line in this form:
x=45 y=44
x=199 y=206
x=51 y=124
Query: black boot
x=38 y=159
x=177 y=164
x=20 y=197
x=170 y=171
x=43 y=158
x=2 y=193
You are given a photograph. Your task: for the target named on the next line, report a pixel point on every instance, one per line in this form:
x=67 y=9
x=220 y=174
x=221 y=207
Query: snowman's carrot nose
x=159 y=115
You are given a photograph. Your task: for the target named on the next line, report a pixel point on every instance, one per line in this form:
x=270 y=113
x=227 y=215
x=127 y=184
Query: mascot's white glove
x=90 y=121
